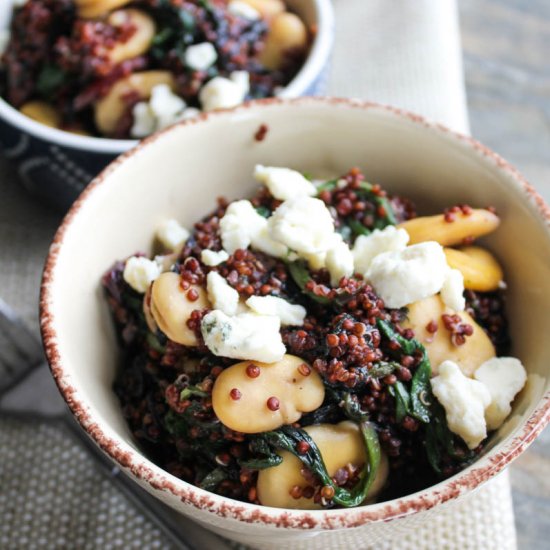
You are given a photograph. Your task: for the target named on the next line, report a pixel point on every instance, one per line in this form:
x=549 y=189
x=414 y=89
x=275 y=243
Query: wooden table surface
x=507 y=63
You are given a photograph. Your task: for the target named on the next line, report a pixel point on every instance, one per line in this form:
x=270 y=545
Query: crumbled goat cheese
x=303 y=224
x=284 y=183
x=464 y=401
x=200 y=57
x=242 y=9
x=239 y=224
x=367 y=247
x=224 y=93
x=246 y=336
x=145 y=121
x=339 y=260
x=165 y=262
x=212 y=258
x=289 y=314
x=172 y=235
x=163 y=109
x=405 y=276
x=452 y=291
x=222 y=296
x=504 y=377
x=140 y=272
x=263 y=242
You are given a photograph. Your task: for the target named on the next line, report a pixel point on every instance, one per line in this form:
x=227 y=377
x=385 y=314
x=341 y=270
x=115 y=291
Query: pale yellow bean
x=171 y=308
x=139 y=42
x=266 y=8
x=285 y=381
x=42 y=112
x=480 y=269
x=110 y=109
x=340 y=444
x=90 y=9
x=477 y=348
x=286 y=32
x=434 y=228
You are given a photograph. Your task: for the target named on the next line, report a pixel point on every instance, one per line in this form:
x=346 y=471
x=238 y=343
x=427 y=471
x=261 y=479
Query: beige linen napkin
x=404 y=52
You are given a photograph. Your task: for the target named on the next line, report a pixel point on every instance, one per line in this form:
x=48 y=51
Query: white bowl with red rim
x=179 y=172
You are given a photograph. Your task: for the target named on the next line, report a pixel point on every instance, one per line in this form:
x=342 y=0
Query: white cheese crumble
x=289 y=314
x=163 y=109
x=224 y=93
x=303 y=224
x=246 y=336
x=242 y=9
x=239 y=224
x=140 y=272
x=263 y=242
x=212 y=258
x=452 y=291
x=200 y=57
x=284 y=183
x=367 y=247
x=464 y=401
x=405 y=276
x=222 y=296
x=172 y=235
x=339 y=260
x=504 y=377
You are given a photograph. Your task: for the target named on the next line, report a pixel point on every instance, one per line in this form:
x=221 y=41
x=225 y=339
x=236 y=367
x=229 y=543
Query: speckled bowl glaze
x=179 y=172
x=56 y=166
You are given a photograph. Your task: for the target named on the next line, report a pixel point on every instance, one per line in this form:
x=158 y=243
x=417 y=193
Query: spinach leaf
x=382 y=368
x=261 y=463
x=191 y=391
x=300 y=273
x=213 y=479
x=287 y=438
x=263 y=211
x=420 y=393
x=402 y=400
x=326 y=186
x=50 y=78
x=358 y=228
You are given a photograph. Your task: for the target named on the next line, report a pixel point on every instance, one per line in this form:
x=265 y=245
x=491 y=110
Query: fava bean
x=286 y=32
x=480 y=269
x=42 y=112
x=270 y=394
x=110 y=109
x=434 y=228
x=171 y=307
x=469 y=356
x=140 y=40
x=339 y=444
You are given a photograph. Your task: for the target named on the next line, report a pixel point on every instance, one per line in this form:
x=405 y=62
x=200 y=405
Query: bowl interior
x=180 y=173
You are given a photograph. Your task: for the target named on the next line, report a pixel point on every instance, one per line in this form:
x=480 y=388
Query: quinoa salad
x=315 y=346
x=127 y=68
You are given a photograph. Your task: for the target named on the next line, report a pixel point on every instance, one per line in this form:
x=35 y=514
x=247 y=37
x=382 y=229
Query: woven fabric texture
x=51 y=496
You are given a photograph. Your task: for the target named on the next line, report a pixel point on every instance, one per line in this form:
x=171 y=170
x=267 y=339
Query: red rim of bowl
x=150 y=474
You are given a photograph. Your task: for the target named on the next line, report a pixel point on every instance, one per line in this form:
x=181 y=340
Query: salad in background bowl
x=108 y=73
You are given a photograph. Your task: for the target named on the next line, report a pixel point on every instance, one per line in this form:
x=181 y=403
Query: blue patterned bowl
x=56 y=165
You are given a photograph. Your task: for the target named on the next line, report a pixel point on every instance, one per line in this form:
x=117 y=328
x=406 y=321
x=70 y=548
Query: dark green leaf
x=263 y=211
x=50 y=78
x=402 y=400
x=326 y=186
x=261 y=463
x=301 y=276
x=358 y=228
x=213 y=479
x=382 y=368
x=191 y=391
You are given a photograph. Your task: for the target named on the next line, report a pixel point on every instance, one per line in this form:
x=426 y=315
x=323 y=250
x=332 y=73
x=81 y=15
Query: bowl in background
x=56 y=165
x=179 y=172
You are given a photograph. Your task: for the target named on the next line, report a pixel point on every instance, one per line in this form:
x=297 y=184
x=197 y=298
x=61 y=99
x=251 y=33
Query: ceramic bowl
x=57 y=165
x=179 y=172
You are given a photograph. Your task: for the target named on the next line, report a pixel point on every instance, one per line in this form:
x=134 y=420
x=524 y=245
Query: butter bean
x=477 y=349
x=171 y=308
x=42 y=112
x=90 y=9
x=266 y=8
x=251 y=413
x=434 y=228
x=139 y=42
x=110 y=109
x=339 y=444
x=286 y=32
x=480 y=269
